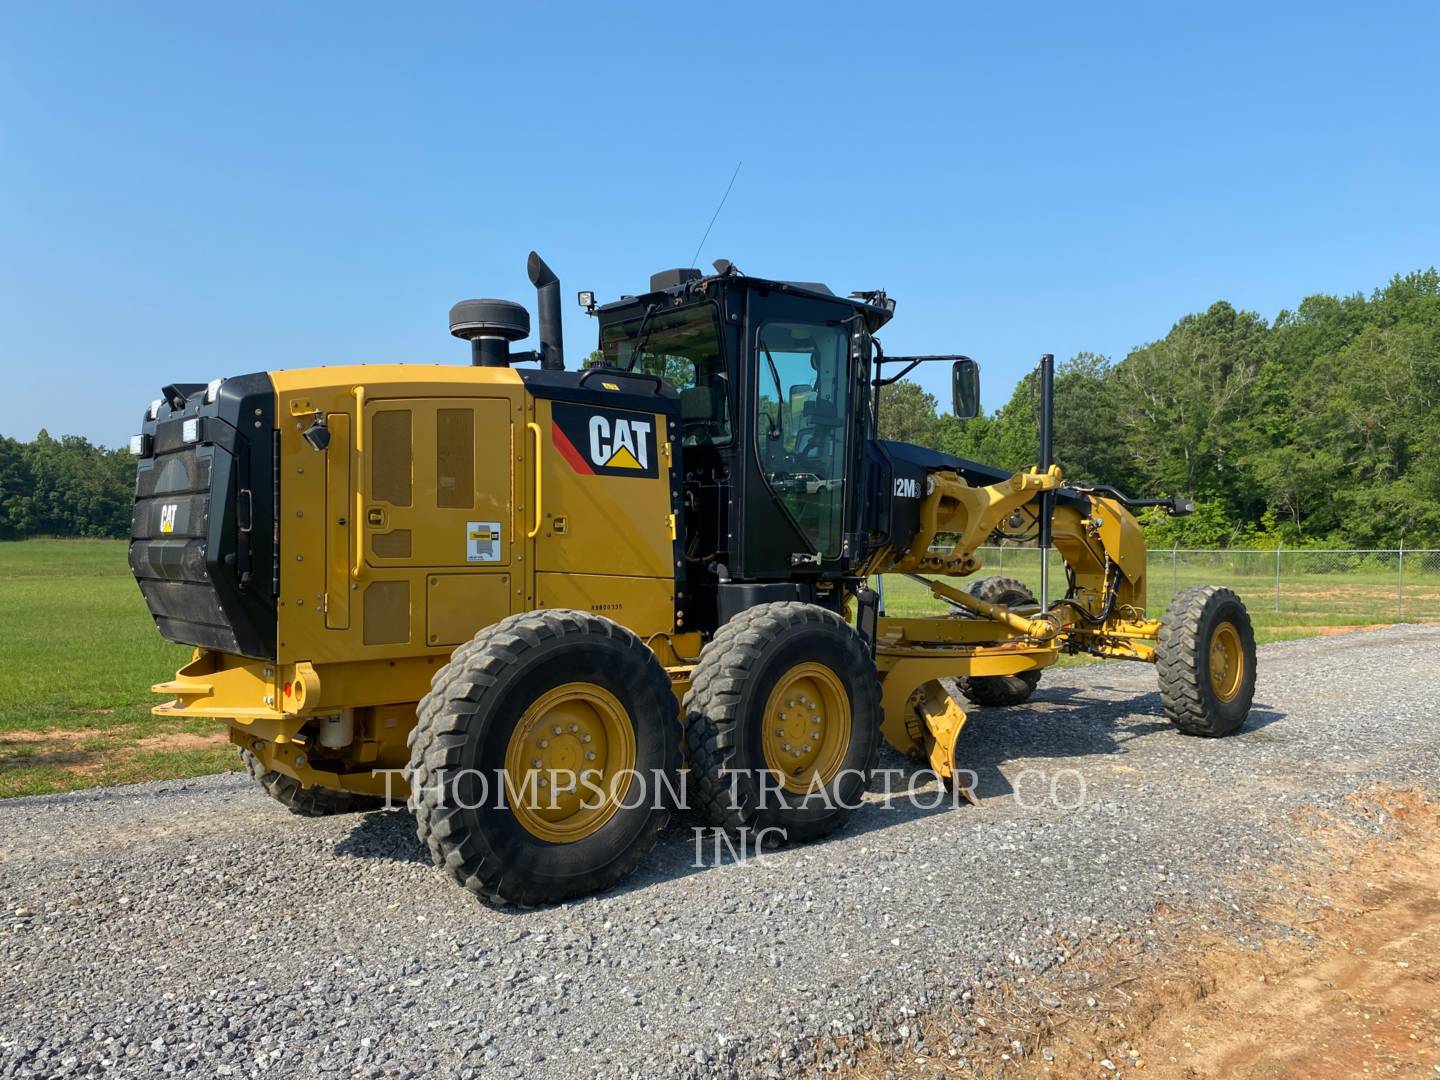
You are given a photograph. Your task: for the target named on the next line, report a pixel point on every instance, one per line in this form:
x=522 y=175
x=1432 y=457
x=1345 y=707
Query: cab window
x=802 y=401
x=681 y=345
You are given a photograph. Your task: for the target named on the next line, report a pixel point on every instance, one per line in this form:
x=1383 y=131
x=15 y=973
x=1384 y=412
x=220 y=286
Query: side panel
x=606 y=491
x=645 y=605
x=400 y=539
x=457 y=605
x=433 y=493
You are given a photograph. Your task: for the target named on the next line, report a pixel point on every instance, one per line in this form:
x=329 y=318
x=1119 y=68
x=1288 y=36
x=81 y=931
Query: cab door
x=800 y=382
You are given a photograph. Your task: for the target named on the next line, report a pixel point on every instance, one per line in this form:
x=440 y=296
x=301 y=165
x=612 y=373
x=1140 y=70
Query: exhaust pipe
x=547 y=304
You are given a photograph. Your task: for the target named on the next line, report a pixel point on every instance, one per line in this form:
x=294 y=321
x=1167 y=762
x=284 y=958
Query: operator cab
x=780 y=464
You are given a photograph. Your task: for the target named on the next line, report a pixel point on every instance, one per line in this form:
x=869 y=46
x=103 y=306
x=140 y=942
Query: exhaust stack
x=547 y=306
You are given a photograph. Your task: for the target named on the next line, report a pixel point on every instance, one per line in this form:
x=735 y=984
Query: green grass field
x=77 y=658
x=79 y=653
x=1320 y=592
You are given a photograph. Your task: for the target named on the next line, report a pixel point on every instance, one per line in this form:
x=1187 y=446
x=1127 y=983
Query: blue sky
x=197 y=190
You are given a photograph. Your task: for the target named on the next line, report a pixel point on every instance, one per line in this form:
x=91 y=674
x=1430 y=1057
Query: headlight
x=154 y=409
x=140 y=445
x=190 y=429
x=212 y=388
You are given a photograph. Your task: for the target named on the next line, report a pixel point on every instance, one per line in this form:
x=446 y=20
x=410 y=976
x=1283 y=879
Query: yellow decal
x=609 y=386
x=623 y=459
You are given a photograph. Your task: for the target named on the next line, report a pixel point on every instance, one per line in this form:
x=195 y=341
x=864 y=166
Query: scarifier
x=503 y=581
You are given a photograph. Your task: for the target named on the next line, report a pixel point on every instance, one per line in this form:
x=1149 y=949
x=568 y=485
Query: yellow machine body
x=446 y=502
x=441 y=505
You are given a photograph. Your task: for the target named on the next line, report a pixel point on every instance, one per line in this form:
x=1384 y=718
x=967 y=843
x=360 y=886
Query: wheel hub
x=570 y=741
x=806 y=727
x=1227 y=662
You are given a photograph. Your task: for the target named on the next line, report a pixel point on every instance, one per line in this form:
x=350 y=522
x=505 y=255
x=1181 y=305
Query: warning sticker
x=482 y=541
x=944 y=543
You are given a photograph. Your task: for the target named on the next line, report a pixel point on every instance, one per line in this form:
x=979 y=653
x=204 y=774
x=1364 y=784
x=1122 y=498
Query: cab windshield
x=682 y=346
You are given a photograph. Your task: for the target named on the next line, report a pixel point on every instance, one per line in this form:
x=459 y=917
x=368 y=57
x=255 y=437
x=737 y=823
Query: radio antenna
x=716 y=214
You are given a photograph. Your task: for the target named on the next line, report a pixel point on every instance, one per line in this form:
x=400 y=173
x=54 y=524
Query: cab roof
x=674 y=285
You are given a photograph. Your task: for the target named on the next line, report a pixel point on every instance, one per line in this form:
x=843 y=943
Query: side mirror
x=965 y=389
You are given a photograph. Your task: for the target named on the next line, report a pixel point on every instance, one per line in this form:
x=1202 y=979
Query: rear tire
x=1205 y=658
x=577 y=693
x=771 y=668
x=307 y=801
x=997 y=691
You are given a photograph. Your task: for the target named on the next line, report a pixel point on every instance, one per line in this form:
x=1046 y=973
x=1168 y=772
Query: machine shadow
x=1059 y=722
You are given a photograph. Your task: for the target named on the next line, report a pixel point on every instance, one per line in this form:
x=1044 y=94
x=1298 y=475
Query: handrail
x=358 y=569
x=539 y=484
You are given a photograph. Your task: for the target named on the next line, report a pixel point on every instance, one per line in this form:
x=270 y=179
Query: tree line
x=1321 y=428
x=64 y=487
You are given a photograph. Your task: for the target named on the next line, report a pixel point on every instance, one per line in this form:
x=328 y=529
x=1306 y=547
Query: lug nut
x=815 y=735
x=555 y=730
x=806 y=748
x=787 y=746
x=574 y=728
x=544 y=743
x=585 y=738
x=535 y=764
x=589 y=755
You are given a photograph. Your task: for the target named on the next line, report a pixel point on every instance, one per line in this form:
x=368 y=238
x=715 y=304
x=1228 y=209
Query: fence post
x=1277 y=579
x=1174 y=551
x=1400 y=583
x=1000 y=560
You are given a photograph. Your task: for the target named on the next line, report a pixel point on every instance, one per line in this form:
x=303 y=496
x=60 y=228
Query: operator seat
x=704 y=410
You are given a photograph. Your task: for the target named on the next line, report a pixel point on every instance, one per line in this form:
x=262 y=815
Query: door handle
x=534 y=429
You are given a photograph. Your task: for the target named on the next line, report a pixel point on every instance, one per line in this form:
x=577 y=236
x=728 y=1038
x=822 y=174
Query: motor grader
x=546 y=605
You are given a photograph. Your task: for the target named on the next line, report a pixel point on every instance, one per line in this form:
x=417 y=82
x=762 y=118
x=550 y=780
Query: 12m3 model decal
x=604 y=442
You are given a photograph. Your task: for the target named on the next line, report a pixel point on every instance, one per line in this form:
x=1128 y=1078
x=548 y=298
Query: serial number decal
x=907 y=487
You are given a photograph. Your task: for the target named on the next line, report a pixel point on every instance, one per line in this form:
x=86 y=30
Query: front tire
x=527 y=754
x=997 y=691
x=782 y=722
x=1205 y=658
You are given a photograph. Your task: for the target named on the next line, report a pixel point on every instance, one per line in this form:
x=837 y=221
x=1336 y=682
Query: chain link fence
x=1302 y=588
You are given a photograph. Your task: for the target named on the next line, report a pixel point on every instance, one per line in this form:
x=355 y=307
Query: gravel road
x=198 y=928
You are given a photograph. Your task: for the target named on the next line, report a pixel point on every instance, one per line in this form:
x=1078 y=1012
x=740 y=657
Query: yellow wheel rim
x=1227 y=662
x=806 y=727
x=572 y=740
